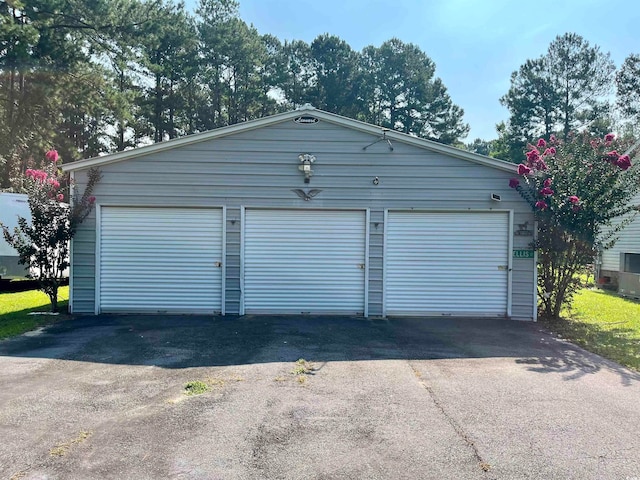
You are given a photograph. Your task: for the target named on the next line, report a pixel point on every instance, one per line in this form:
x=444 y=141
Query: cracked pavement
x=102 y=398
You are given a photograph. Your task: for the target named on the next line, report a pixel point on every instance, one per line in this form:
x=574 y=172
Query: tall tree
x=168 y=48
x=294 y=74
x=562 y=90
x=628 y=87
x=400 y=92
x=337 y=76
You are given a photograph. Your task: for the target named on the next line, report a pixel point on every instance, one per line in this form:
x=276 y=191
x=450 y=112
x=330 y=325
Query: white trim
x=223 y=267
x=72 y=192
x=510 y=266
x=367 y=232
x=535 y=273
x=242 y=222
x=450 y=210
x=282 y=117
x=384 y=263
x=96 y=295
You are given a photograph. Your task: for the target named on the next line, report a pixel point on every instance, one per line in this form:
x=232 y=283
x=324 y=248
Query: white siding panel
x=304 y=261
x=160 y=259
x=628 y=242
x=447 y=263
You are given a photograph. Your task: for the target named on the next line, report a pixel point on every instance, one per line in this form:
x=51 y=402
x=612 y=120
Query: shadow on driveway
x=196 y=341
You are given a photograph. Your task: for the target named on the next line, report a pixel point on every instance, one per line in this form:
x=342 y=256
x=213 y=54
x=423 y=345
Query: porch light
x=306 y=160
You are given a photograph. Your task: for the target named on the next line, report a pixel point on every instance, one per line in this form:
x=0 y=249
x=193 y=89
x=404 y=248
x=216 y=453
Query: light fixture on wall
x=306 y=160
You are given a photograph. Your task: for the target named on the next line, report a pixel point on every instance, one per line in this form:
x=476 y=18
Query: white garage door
x=304 y=261
x=446 y=263
x=160 y=260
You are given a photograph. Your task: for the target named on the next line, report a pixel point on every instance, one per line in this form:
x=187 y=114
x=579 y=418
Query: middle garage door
x=304 y=261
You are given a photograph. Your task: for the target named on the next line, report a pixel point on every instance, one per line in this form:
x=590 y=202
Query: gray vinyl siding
x=628 y=242
x=259 y=168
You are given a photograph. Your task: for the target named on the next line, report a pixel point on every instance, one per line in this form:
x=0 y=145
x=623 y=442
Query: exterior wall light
x=306 y=160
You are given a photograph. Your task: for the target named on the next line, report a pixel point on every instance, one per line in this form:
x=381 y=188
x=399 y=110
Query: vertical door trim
x=223 y=267
x=510 y=265
x=242 y=235
x=98 y=260
x=367 y=220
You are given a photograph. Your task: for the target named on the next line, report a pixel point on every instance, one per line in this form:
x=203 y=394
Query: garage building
x=304 y=212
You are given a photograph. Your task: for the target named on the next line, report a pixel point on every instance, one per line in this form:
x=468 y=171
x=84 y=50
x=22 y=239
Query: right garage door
x=446 y=263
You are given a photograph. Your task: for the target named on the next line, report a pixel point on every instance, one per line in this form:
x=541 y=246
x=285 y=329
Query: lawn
x=604 y=323
x=15 y=308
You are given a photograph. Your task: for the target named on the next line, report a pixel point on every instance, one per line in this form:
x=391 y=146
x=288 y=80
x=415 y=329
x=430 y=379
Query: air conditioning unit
x=629 y=284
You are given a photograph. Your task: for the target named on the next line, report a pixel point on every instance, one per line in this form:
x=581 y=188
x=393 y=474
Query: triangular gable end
x=283 y=117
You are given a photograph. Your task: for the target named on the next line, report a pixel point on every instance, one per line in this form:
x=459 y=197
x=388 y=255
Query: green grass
x=196 y=387
x=604 y=323
x=15 y=308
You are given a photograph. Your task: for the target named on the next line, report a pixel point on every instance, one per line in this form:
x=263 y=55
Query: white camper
x=12 y=206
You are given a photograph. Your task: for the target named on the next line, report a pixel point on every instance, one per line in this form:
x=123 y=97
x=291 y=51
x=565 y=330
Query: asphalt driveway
x=102 y=398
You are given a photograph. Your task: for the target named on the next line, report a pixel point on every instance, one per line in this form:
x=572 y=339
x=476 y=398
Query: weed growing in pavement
x=196 y=387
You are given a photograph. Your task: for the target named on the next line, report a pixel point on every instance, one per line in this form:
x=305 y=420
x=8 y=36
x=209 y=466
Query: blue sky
x=475 y=44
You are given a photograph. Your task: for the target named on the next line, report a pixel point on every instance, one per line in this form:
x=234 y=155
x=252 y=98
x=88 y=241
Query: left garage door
x=160 y=260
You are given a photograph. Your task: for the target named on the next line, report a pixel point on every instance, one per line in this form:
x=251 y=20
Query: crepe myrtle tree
x=576 y=187
x=43 y=243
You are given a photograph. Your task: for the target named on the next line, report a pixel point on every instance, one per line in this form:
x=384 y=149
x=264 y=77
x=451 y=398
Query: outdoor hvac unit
x=629 y=276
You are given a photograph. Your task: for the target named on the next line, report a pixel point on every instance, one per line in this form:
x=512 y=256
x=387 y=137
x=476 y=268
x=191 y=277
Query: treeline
x=107 y=75
x=99 y=76
x=573 y=87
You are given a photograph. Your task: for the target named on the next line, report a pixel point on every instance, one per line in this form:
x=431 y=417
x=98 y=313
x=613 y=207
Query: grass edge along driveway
x=15 y=309
x=599 y=321
x=604 y=323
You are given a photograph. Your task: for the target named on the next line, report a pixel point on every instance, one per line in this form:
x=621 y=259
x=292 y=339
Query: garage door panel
x=307 y=261
x=160 y=260
x=446 y=263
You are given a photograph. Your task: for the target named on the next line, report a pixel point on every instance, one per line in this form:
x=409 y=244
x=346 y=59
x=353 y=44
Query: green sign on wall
x=523 y=254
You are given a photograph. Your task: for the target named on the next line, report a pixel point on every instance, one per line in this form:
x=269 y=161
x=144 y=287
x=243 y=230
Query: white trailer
x=12 y=206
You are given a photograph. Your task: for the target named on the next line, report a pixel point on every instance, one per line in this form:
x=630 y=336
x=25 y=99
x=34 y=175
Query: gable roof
x=282 y=117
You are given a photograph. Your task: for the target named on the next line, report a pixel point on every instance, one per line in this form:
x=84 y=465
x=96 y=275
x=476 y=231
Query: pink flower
x=523 y=170
x=552 y=150
x=60 y=197
x=37 y=175
x=546 y=191
x=552 y=139
x=92 y=200
x=611 y=156
x=542 y=143
x=594 y=143
x=541 y=205
x=547 y=182
x=54 y=183
x=532 y=156
x=624 y=162
x=514 y=182
x=52 y=156
x=574 y=199
x=609 y=137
